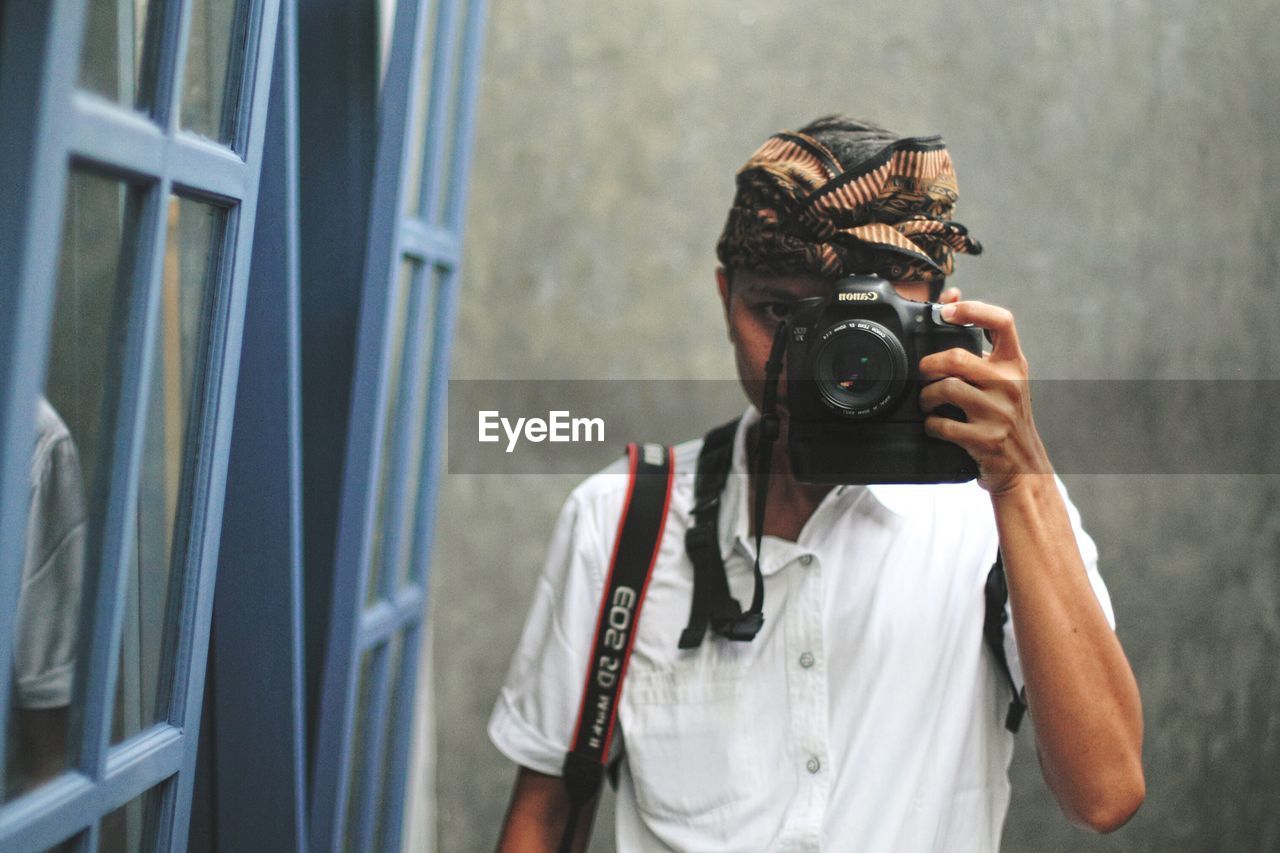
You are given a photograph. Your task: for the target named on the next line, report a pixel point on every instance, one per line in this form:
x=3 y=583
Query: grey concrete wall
x=1118 y=159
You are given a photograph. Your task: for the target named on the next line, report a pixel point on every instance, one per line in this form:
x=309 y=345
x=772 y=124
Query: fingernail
x=948 y=311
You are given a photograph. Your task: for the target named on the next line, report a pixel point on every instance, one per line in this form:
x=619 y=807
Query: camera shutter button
x=935 y=312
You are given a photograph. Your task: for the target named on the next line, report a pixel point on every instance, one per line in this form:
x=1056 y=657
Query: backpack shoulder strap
x=702 y=539
x=635 y=550
x=996 y=592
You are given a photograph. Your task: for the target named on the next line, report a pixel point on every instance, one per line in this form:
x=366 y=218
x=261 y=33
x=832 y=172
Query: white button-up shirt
x=866 y=715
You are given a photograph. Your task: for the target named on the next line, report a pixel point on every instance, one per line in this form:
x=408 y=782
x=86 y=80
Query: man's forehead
x=793 y=286
x=804 y=286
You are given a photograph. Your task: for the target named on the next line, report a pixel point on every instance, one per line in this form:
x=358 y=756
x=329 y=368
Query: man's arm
x=537 y=815
x=1080 y=689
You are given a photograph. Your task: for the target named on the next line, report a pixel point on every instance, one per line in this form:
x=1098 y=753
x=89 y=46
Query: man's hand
x=1080 y=689
x=994 y=393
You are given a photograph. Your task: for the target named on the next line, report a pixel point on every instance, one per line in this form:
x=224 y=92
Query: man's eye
x=777 y=310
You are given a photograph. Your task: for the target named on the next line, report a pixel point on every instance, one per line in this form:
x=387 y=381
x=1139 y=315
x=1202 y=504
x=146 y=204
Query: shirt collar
x=735 y=523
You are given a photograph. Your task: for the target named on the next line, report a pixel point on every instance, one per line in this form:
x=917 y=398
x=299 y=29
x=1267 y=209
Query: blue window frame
x=175 y=135
x=152 y=293
x=391 y=465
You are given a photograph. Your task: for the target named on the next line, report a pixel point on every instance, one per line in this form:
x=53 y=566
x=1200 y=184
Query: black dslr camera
x=853 y=387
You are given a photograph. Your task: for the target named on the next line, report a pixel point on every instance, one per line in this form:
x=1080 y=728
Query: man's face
x=754 y=305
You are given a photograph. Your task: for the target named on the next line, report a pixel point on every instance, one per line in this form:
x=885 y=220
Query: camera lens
x=859 y=368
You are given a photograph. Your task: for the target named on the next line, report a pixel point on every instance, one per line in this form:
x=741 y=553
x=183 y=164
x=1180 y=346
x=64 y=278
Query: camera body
x=853 y=387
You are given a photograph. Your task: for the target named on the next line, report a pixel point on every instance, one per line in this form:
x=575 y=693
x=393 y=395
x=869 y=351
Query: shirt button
x=806 y=559
x=813 y=765
x=806 y=660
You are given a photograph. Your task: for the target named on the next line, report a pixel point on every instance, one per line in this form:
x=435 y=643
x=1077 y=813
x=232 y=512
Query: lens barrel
x=859 y=368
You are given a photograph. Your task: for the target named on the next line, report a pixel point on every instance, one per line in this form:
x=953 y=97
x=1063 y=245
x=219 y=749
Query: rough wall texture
x=1118 y=160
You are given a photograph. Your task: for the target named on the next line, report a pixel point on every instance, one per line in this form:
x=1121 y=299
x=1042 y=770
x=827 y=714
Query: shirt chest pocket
x=697 y=750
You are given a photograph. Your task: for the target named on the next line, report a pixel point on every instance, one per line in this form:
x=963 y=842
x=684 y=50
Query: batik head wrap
x=797 y=211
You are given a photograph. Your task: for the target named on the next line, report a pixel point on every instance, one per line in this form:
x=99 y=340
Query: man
x=866 y=715
x=48 y=607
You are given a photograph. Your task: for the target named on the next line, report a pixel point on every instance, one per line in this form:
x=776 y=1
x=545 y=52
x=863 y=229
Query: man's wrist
x=1025 y=491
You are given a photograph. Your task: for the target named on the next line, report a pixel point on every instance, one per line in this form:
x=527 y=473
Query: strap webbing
x=996 y=592
x=712 y=603
x=635 y=550
x=702 y=539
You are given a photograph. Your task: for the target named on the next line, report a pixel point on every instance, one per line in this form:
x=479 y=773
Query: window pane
x=421 y=96
x=191 y=262
x=132 y=827
x=119 y=56
x=443 y=206
x=389 y=746
x=414 y=471
x=356 y=769
x=70 y=454
x=396 y=374
x=215 y=67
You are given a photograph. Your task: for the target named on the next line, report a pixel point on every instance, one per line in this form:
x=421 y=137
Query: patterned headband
x=798 y=212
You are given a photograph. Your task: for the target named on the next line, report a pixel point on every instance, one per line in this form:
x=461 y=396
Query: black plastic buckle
x=1013 y=719
x=742 y=628
x=706 y=505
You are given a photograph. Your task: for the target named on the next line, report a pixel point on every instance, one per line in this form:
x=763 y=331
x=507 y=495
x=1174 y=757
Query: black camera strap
x=712 y=603
x=996 y=591
x=635 y=550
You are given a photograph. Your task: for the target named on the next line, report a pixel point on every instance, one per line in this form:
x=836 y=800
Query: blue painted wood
x=257 y=649
x=429 y=244
x=455 y=216
x=465 y=120
x=338 y=70
x=194 y=633
x=110 y=539
x=34 y=80
x=409 y=399
x=74 y=801
x=364 y=438
x=59 y=127
x=401 y=719
x=360 y=823
x=384 y=618
x=399 y=726
x=443 y=67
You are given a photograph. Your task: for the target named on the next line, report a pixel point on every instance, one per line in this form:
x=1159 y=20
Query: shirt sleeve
x=52 y=575
x=537 y=709
x=1089 y=555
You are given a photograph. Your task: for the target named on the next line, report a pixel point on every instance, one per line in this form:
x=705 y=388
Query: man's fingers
x=958 y=362
x=951 y=294
x=974 y=402
x=996 y=320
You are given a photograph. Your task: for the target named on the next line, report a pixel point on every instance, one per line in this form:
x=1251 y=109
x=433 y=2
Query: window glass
x=415 y=468
x=356 y=771
x=384 y=783
x=191 y=263
x=441 y=208
x=397 y=376
x=421 y=98
x=70 y=458
x=118 y=60
x=215 y=64
x=132 y=827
